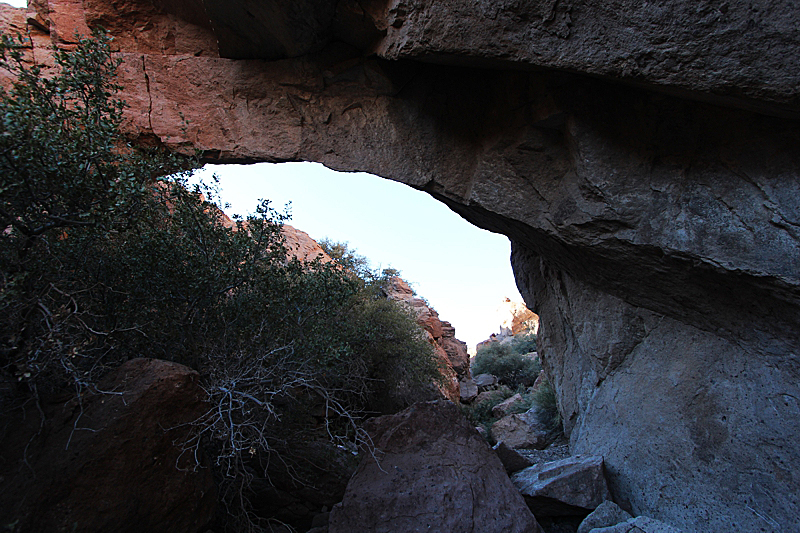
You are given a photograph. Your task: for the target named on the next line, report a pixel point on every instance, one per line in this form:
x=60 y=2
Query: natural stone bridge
x=643 y=158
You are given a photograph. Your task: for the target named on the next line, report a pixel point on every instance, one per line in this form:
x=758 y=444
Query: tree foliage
x=106 y=254
x=509 y=361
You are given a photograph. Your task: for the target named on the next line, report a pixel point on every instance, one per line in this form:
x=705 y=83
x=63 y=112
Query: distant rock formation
x=451 y=351
x=515 y=318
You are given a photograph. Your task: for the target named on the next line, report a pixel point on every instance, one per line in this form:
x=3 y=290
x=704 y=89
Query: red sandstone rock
x=122 y=469
x=434 y=473
x=300 y=245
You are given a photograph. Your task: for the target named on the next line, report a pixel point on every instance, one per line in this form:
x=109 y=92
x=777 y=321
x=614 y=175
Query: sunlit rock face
x=643 y=157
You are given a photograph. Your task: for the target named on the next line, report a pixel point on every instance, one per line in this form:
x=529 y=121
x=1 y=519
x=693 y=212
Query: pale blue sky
x=463 y=271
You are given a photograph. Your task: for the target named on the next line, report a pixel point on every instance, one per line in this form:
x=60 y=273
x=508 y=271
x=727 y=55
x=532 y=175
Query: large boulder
x=642 y=157
x=111 y=461
x=431 y=472
x=572 y=486
x=523 y=430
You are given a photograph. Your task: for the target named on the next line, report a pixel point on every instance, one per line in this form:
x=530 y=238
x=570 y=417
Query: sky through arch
x=463 y=271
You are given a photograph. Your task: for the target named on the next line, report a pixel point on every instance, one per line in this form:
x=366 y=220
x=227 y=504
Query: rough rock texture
x=606 y=514
x=468 y=391
x=116 y=464
x=512 y=460
x=300 y=245
x=575 y=485
x=640 y=524
x=435 y=473
x=643 y=158
x=451 y=351
x=521 y=431
x=515 y=318
x=501 y=409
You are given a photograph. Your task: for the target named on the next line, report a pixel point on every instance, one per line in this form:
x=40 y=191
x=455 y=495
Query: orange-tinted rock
x=452 y=351
x=300 y=245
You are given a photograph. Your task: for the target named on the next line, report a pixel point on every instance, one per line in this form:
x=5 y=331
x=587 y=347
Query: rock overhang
x=652 y=200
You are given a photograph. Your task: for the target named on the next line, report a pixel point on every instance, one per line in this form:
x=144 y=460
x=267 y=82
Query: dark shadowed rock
x=607 y=514
x=512 y=460
x=121 y=469
x=434 y=473
x=571 y=486
x=468 y=390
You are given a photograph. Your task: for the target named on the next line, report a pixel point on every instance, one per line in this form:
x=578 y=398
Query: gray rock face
x=512 y=460
x=572 y=486
x=640 y=524
x=654 y=222
x=607 y=514
x=435 y=473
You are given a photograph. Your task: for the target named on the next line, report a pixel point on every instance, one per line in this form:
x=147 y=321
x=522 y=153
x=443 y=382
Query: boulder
x=484 y=381
x=114 y=461
x=488 y=396
x=501 y=409
x=573 y=486
x=640 y=524
x=512 y=460
x=431 y=472
x=606 y=514
x=521 y=431
x=469 y=391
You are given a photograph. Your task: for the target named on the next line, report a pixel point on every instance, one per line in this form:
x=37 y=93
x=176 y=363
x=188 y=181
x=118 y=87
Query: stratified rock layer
x=643 y=157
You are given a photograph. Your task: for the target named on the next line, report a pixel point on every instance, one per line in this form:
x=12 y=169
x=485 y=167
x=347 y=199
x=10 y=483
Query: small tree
x=103 y=259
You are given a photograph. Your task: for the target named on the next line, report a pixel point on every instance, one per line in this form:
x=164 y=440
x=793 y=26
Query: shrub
x=511 y=368
x=544 y=399
x=102 y=260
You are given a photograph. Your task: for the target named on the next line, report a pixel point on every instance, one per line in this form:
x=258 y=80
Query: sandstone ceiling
x=643 y=158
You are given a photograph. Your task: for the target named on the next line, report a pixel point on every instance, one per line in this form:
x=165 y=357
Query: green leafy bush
x=102 y=260
x=480 y=413
x=508 y=363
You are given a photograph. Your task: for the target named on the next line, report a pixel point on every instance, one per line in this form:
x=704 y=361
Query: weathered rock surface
x=468 y=390
x=501 y=409
x=642 y=157
x=113 y=464
x=451 y=352
x=606 y=514
x=516 y=318
x=434 y=473
x=485 y=381
x=512 y=460
x=521 y=431
x=576 y=485
x=640 y=524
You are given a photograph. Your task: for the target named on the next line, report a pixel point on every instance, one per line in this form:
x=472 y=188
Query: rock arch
x=643 y=159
